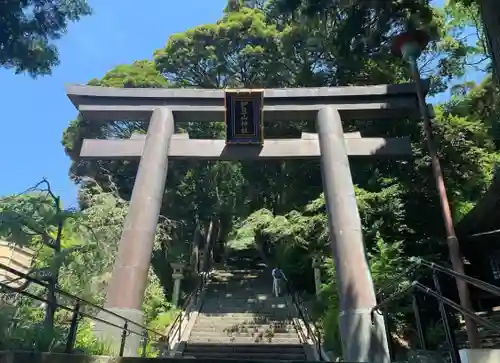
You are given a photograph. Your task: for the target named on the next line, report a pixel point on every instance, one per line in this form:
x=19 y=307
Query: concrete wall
x=29 y=357
x=480 y=355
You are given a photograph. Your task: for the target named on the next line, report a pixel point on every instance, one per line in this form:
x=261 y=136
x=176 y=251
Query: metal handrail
x=72 y=297
x=492 y=289
x=306 y=317
x=176 y=326
x=443 y=303
x=471 y=314
x=77 y=313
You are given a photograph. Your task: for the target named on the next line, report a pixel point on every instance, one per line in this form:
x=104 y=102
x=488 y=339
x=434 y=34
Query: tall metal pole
x=362 y=334
x=410 y=48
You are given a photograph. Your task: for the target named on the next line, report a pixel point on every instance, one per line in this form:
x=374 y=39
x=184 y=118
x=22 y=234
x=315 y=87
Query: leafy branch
x=36 y=217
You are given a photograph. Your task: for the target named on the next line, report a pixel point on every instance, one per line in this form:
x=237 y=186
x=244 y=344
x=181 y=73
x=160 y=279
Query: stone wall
x=33 y=357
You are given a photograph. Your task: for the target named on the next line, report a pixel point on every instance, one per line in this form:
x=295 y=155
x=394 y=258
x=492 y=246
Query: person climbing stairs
x=241 y=319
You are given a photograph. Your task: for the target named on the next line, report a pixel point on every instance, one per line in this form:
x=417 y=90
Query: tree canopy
x=29 y=29
x=279 y=43
x=279 y=204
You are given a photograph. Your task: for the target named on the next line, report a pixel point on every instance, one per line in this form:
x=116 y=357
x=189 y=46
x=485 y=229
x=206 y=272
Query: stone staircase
x=240 y=319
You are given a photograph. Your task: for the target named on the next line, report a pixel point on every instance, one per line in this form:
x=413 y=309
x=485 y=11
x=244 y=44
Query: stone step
x=224 y=339
x=278 y=323
x=246 y=356
x=240 y=326
x=246 y=304
x=250 y=307
x=243 y=324
x=247 y=315
x=218 y=299
x=255 y=319
x=252 y=302
x=207 y=333
x=228 y=331
x=241 y=348
x=224 y=334
x=241 y=340
x=222 y=296
x=236 y=310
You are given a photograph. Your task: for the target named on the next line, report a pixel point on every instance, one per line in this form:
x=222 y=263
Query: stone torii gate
x=244 y=110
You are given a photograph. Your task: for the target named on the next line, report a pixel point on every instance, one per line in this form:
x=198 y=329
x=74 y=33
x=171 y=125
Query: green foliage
x=29 y=29
x=140 y=74
x=89 y=241
x=278 y=204
x=204 y=55
x=487 y=13
x=22 y=328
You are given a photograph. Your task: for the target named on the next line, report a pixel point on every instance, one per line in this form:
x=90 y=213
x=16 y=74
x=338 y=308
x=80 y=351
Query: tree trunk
x=209 y=237
x=194 y=260
x=51 y=307
x=218 y=243
x=490 y=15
x=162 y=269
x=225 y=227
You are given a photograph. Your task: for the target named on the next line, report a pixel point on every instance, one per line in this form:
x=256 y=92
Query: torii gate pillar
x=125 y=291
x=363 y=340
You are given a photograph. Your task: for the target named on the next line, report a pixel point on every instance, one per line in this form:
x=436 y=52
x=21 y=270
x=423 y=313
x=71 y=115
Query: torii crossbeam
x=364 y=340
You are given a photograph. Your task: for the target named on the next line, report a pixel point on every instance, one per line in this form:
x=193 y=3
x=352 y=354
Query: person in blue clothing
x=278 y=276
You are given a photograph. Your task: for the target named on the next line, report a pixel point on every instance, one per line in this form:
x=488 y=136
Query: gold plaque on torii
x=244 y=116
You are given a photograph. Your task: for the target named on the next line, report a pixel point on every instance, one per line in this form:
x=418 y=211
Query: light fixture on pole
x=409 y=45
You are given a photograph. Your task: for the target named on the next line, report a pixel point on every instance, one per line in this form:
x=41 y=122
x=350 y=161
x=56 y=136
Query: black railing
x=77 y=313
x=416 y=287
x=303 y=312
x=175 y=331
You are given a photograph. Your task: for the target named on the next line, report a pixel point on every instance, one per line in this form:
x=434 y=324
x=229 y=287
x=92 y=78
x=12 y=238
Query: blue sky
x=34 y=113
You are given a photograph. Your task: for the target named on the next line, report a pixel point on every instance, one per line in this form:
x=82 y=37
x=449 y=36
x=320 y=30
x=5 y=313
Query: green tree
x=88 y=244
x=38 y=220
x=29 y=29
x=280 y=202
x=490 y=18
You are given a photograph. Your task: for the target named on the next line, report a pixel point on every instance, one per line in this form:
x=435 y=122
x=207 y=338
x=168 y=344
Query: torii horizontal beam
x=303 y=136
x=184 y=148
x=274 y=113
x=111 y=104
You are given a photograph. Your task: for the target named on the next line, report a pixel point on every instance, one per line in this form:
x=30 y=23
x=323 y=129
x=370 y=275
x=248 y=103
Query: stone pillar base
x=363 y=340
x=112 y=336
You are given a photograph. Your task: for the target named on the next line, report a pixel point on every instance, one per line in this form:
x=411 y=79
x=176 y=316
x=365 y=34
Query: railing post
x=70 y=342
x=450 y=339
x=124 y=338
x=144 y=343
x=418 y=321
x=180 y=326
